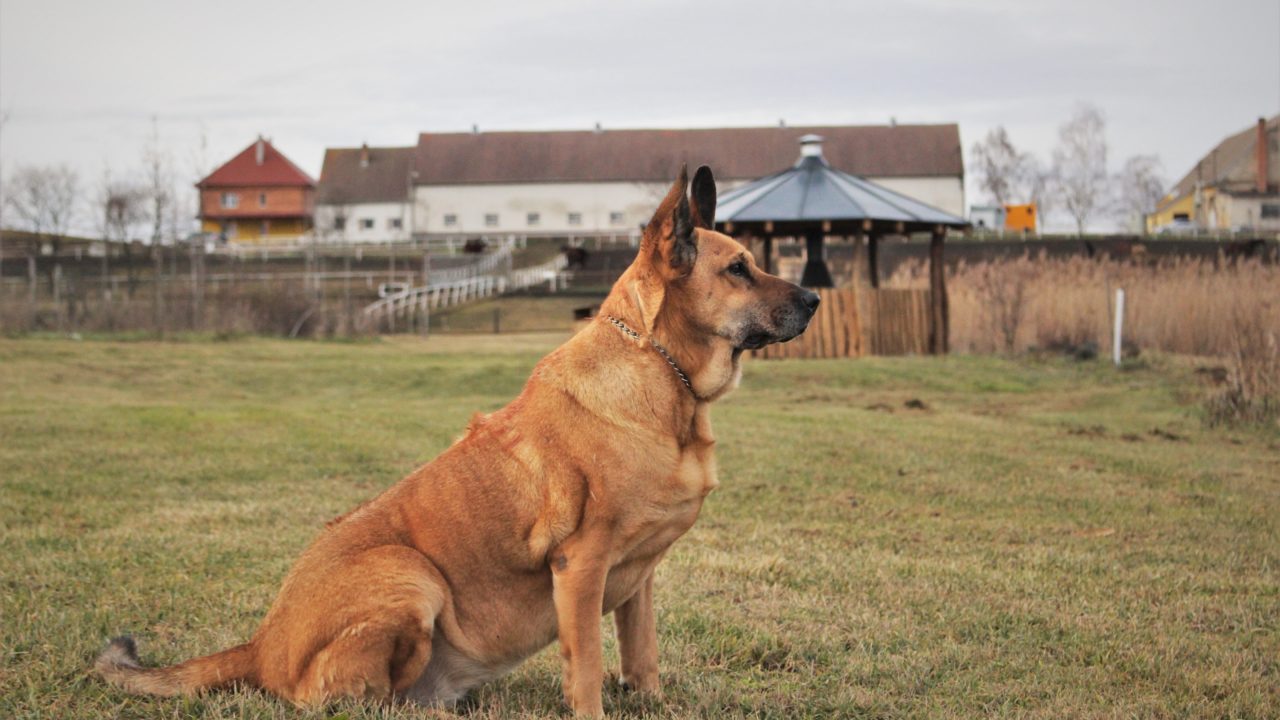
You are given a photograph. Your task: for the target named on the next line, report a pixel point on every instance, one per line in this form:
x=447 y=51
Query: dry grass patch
x=1228 y=310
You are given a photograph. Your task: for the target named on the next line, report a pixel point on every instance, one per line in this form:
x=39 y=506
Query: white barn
x=598 y=183
x=594 y=183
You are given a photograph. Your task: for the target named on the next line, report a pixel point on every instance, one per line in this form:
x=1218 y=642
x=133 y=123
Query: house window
x=491 y=219
x=575 y=219
x=230 y=200
x=266 y=228
x=339 y=223
x=262 y=199
x=1270 y=211
x=366 y=223
x=533 y=219
x=395 y=223
x=616 y=218
x=450 y=220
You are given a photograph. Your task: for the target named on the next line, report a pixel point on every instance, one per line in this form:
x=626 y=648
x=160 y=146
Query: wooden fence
x=852 y=324
x=896 y=321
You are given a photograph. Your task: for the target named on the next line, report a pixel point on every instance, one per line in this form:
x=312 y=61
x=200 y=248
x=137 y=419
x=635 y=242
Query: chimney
x=1262 y=152
x=811 y=147
x=364 y=155
x=260 y=150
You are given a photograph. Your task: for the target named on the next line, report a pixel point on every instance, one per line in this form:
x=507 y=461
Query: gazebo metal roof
x=812 y=192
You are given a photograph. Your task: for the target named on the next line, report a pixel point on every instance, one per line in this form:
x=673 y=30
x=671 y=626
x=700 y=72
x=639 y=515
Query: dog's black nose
x=810 y=300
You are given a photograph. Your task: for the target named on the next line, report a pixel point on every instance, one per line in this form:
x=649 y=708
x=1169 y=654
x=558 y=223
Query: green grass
x=516 y=313
x=1023 y=546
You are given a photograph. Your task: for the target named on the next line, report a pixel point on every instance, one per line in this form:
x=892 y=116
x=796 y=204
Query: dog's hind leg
x=387 y=643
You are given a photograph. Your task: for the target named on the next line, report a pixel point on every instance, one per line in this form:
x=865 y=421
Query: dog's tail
x=119 y=665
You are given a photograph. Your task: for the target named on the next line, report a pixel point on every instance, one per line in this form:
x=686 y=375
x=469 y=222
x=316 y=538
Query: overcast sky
x=80 y=81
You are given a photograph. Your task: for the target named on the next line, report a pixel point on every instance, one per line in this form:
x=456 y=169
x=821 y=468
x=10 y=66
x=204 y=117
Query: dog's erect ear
x=704 y=198
x=669 y=237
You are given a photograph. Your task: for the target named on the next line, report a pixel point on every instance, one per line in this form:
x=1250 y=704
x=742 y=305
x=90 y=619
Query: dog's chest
x=695 y=473
x=671 y=508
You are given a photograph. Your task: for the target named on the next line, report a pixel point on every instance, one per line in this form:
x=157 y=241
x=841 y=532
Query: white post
x=1117 y=340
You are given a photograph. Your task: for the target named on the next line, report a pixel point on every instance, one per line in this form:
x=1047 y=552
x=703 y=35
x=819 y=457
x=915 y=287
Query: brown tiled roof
x=384 y=179
x=1231 y=163
x=654 y=155
x=244 y=170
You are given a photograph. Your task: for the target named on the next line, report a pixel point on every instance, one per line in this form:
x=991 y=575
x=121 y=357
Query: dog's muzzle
x=788 y=320
x=803 y=306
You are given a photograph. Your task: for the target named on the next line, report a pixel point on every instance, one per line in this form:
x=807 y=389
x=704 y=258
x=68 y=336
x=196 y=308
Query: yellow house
x=1235 y=187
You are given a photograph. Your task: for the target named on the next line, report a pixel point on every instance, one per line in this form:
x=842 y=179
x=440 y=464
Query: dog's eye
x=739 y=268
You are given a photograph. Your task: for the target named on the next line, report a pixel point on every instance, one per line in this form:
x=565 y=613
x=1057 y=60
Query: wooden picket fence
x=852 y=324
x=897 y=321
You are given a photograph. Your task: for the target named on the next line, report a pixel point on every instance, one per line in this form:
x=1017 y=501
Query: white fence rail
x=414 y=305
x=488 y=264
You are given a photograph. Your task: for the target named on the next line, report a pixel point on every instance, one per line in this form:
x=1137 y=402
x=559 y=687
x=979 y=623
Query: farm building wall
x=363 y=222
x=603 y=208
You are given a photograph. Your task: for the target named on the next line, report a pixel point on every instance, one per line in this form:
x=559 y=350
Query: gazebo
x=813 y=200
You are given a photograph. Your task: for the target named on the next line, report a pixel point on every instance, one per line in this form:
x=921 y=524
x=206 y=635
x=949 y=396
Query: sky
x=85 y=83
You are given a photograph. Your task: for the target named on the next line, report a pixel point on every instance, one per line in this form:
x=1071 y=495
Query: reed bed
x=1222 y=308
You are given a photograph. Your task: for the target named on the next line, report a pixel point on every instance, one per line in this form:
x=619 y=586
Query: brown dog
x=546 y=514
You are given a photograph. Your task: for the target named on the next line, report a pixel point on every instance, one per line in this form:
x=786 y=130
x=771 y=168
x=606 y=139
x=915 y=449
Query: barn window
x=395 y=223
x=339 y=223
x=450 y=220
x=366 y=223
x=616 y=218
x=575 y=218
x=262 y=199
x=533 y=219
x=1270 y=211
x=230 y=200
x=491 y=219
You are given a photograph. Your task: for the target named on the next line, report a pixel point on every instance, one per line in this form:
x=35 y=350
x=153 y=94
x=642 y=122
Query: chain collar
x=661 y=351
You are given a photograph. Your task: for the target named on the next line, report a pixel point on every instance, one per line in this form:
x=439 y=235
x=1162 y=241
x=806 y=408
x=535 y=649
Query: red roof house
x=258 y=196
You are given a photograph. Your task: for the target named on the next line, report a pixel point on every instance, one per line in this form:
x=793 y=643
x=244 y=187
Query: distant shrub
x=1251 y=393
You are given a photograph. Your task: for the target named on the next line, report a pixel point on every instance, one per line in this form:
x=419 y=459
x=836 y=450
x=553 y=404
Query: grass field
x=1035 y=538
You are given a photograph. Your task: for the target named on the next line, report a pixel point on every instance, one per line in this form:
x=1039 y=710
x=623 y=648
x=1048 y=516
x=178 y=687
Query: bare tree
x=1040 y=187
x=43 y=201
x=156 y=186
x=156 y=167
x=121 y=204
x=1000 y=166
x=121 y=210
x=1080 y=164
x=1139 y=188
x=4 y=120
